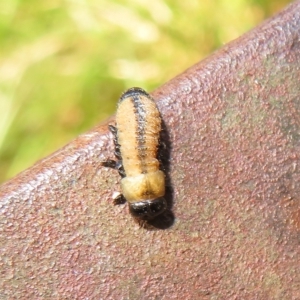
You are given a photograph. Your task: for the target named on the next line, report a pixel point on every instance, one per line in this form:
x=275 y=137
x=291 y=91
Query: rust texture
x=233 y=125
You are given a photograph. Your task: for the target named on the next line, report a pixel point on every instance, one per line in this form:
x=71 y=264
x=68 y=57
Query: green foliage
x=63 y=64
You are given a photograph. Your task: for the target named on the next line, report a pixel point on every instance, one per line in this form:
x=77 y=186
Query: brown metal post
x=232 y=126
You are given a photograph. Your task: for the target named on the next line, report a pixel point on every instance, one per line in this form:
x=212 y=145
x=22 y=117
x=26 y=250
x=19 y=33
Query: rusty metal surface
x=233 y=123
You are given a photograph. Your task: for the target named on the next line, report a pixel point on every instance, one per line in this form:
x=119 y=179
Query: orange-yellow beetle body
x=138 y=126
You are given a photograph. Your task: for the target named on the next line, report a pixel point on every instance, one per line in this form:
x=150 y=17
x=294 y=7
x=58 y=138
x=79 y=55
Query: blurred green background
x=64 y=63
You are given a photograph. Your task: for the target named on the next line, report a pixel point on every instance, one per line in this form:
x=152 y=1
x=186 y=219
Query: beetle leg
x=109 y=164
x=114 y=132
x=119 y=199
x=112 y=163
x=120 y=168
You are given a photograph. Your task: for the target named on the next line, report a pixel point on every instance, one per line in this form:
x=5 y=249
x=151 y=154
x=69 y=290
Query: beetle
x=136 y=139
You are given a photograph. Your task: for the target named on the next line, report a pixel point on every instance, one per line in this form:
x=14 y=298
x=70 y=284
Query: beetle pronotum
x=136 y=137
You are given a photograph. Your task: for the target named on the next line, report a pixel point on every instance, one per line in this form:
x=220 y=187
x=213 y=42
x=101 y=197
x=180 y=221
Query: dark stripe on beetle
x=135 y=91
x=140 y=115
